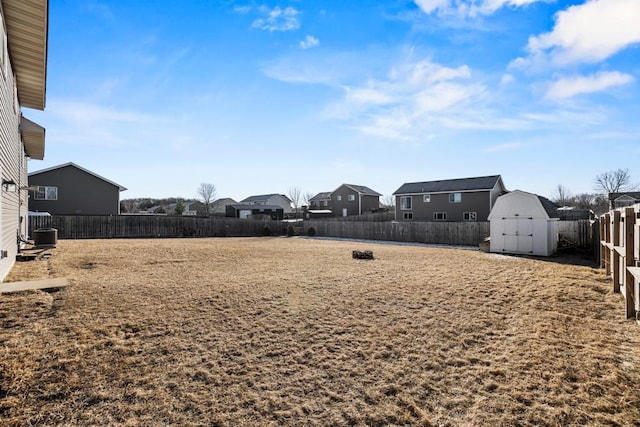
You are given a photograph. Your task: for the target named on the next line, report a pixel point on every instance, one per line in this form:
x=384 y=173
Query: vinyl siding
x=12 y=167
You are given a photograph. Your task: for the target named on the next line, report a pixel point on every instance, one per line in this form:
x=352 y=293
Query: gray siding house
x=349 y=199
x=69 y=189
x=23 y=75
x=320 y=201
x=453 y=200
x=621 y=200
x=270 y=199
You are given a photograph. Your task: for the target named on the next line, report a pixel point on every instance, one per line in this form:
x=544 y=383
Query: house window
x=405 y=203
x=46 y=193
x=351 y=197
x=455 y=197
x=339 y=197
x=439 y=216
x=426 y=198
x=470 y=216
x=408 y=215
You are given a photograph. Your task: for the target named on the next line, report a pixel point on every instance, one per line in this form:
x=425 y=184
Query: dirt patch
x=276 y=331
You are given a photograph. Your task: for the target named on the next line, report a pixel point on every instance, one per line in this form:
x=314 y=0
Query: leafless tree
x=207 y=194
x=389 y=201
x=295 y=194
x=562 y=196
x=306 y=198
x=614 y=181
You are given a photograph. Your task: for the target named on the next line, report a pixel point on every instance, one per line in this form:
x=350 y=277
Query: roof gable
x=360 y=189
x=264 y=198
x=481 y=183
x=71 y=164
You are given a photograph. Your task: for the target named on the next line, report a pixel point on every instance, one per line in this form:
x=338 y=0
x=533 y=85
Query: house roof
x=321 y=196
x=480 y=183
x=361 y=189
x=33 y=138
x=27 y=23
x=263 y=197
x=629 y=194
x=254 y=207
x=71 y=164
x=224 y=201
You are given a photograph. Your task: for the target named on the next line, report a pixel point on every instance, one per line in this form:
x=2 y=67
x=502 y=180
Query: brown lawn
x=278 y=331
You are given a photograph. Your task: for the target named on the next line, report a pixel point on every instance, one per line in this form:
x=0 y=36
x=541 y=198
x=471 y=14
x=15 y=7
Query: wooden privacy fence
x=620 y=254
x=445 y=233
x=145 y=226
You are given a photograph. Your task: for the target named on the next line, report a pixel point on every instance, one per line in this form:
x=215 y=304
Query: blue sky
x=257 y=97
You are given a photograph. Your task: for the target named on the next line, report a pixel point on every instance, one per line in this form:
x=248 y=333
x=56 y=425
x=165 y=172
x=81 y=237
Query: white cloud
x=469 y=8
x=587 y=33
x=277 y=19
x=571 y=86
x=309 y=42
x=507 y=79
x=504 y=147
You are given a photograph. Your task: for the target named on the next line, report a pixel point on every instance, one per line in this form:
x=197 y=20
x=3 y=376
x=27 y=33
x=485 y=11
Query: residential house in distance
x=621 y=200
x=23 y=81
x=270 y=199
x=320 y=201
x=453 y=200
x=219 y=206
x=255 y=211
x=69 y=189
x=349 y=199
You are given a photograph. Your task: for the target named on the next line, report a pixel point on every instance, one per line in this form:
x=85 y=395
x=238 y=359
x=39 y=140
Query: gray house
x=349 y=199
x=70 y=189
x=453 y=200
x=23 y=78
x=274 y=212
x=320 y=201
x=621 y=200
x=270 y=199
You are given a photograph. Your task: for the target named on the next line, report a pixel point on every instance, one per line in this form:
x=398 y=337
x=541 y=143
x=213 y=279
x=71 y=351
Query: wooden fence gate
x=620 y=254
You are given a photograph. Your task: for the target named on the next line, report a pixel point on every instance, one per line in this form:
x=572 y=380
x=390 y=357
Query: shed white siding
x=520 y=225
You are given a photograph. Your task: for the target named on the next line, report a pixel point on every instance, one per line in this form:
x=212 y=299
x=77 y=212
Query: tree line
x=616 y=181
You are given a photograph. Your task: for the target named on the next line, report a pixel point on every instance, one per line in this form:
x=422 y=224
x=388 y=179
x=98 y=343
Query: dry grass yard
x=294 y=332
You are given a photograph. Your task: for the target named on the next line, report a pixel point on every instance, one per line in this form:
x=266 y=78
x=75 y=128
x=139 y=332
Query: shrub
x=311 y=232
x=266 y=230
x=291 y=231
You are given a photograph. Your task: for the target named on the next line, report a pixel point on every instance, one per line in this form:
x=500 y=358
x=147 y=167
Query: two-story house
x=349 y=199
x=69 y=189
x=23 y=82
x=453 y=200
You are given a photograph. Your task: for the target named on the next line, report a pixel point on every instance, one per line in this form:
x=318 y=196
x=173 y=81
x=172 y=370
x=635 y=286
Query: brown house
x=453 y=200
x=349 y=199
x=69 y=189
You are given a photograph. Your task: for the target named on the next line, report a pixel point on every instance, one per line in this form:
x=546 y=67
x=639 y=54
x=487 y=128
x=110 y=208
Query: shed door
x=518 y=235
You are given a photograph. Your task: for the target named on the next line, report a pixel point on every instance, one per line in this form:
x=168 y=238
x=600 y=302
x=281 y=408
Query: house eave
x=33 y=138
x=27 y=23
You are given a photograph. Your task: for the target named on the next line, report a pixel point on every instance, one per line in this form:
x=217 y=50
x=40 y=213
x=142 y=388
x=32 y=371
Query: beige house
x=23 y=76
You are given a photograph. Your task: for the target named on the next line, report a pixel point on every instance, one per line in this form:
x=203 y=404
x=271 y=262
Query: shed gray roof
x=550 y=208
x=361 y=189
x=461 y=184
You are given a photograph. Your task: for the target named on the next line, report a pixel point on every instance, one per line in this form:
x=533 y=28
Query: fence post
x=615 y=255
x=629 y=280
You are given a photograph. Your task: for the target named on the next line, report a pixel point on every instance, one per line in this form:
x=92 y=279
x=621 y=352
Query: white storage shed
x=524 y=223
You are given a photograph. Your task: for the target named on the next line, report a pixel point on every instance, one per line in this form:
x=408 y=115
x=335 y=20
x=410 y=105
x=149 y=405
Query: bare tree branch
x=207 y=194
x=295 y=194
x=614 y=181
